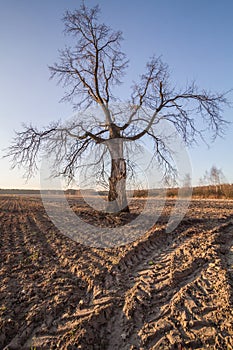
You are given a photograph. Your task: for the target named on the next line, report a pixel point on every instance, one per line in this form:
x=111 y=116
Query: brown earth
x=163 y=291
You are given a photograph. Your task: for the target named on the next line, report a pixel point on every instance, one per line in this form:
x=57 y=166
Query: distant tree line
x=225 y=191
x=212 y=184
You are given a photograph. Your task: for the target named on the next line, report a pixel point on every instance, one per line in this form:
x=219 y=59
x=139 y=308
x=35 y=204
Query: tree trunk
x=117 y=182
x=117 y=187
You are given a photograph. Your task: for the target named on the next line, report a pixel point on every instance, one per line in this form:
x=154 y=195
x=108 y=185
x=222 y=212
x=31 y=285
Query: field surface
x=162 y=291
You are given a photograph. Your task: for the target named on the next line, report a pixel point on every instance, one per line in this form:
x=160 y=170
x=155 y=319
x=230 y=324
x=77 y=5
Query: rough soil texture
x=163 y=291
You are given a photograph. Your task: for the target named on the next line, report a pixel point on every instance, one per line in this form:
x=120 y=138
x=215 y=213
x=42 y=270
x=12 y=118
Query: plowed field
x=163 y=291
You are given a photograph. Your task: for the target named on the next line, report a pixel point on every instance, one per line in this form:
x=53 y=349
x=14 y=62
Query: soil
x=163 y=291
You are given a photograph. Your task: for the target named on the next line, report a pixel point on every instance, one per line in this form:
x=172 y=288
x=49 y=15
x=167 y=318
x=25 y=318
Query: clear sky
x=195 y=38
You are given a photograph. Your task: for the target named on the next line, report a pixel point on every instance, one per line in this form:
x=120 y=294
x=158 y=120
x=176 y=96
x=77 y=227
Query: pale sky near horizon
x=195 y=38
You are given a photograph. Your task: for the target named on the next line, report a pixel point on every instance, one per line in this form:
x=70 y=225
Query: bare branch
x=95 y=64
x=181 y=109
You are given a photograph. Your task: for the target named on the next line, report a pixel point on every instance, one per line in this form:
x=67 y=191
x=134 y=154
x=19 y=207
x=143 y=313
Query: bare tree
x=213 y=177
x=89 y=71
x=216 y=178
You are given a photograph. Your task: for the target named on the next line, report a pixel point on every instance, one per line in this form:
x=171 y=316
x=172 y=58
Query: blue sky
x=193 y=37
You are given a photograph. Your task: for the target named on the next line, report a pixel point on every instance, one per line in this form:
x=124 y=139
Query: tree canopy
x=89 y=70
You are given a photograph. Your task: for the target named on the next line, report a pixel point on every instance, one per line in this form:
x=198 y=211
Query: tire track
x=187 y=325
x=158 y=290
